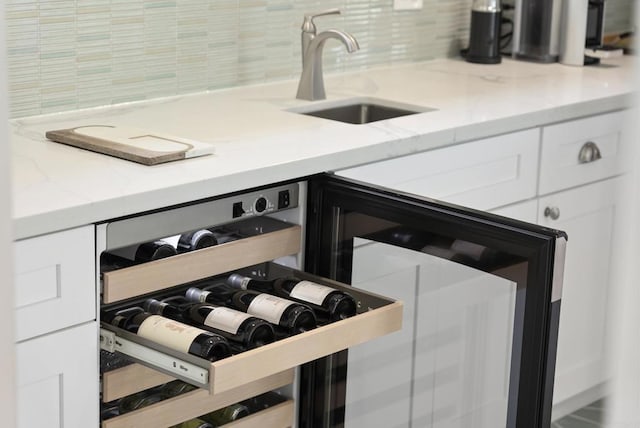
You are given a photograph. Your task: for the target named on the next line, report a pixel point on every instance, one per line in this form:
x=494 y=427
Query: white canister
x=573 y=31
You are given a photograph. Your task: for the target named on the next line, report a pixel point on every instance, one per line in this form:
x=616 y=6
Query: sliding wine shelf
x=240 y=376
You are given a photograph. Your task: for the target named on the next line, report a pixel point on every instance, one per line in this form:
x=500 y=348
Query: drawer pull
x=589 y=152
x=552 y=212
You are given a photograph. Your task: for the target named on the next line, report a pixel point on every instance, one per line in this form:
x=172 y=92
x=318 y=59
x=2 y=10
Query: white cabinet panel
x=560 y=166
x=57 y=379
x=54 y=281
x=483 y=174
x=524 y=211
x=588 y=215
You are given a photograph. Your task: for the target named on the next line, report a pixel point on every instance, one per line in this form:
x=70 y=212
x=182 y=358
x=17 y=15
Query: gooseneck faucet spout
x=311 y=86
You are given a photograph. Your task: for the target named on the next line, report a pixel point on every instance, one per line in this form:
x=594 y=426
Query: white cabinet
x=54 y=282
x=579 y=195
x=588 y=215
x=582 y=151
x=575 y=180
x=55 y=310
x=57 y=383
x=483 y=174
x=524 y=211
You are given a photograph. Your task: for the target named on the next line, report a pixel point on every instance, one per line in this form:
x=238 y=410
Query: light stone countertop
x=257 y=141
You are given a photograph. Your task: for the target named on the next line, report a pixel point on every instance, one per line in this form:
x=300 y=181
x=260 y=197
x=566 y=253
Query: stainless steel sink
x=361 y=111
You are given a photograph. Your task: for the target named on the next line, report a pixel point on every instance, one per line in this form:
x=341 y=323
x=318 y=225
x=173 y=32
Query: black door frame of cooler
x=323 y=382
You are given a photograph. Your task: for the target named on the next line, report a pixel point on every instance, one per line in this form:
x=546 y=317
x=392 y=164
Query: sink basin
x=361 y=111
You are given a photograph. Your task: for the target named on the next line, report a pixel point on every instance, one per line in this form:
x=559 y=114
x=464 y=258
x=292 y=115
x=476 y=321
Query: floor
x=591 y=416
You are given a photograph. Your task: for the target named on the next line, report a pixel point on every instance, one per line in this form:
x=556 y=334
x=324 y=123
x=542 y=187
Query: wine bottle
x=246 y=331
x=194 y=423
x=329 y=303
x=138 y=401
x=175 y=388
x=292 y=317
x=226 y=414
x=146 y=252
x=175 y=335
x=196 y=240
x=174 y=308
x=250 y=332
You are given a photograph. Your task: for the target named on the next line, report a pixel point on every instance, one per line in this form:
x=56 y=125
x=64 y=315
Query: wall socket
x=407 y=4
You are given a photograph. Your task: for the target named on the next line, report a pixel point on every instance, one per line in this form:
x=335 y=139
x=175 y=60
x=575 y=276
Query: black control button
x=283 y=199
x=261 y=204
x=237 y=209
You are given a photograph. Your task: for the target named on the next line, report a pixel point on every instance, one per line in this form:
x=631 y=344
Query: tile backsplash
x=72 y=54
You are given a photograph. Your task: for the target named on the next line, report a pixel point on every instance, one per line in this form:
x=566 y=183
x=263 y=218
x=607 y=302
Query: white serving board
x=137 y=145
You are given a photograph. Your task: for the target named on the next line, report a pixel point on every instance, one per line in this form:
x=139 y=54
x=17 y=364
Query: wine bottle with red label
x=174 y=334
x=329 y=303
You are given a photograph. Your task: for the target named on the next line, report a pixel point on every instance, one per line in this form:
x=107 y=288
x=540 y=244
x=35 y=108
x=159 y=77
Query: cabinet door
x=57 y=379
x=480 y=348
x=588 y=215
x=54 y=280
x=483 y=174
x=524 y=211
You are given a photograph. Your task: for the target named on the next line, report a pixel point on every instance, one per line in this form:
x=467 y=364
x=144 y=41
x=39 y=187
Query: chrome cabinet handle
x=552 y=212
x=589 y=152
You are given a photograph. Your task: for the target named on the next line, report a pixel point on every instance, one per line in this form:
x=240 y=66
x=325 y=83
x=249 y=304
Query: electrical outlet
x=407 y=4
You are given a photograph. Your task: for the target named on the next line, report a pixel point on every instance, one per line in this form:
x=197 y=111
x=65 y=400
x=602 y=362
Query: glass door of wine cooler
x=481 y=300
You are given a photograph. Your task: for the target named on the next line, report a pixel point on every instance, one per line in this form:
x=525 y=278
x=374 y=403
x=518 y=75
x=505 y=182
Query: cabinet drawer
x=54 y=281
x=278 y=240
x=377 y=316
x=561 y=165
x=195 y=403
x=483 y=174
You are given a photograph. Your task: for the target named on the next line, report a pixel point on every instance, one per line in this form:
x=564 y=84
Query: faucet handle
x=308 y=26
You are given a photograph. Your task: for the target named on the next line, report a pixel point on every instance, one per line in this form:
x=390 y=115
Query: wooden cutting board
x=133 y=144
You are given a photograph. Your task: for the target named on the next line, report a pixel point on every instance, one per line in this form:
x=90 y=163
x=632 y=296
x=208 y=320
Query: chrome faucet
x=311 y=86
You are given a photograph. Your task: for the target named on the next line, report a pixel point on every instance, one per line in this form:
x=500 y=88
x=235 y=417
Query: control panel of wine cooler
x=175 y=221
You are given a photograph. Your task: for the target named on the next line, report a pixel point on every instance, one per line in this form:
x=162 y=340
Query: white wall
x=7 y=361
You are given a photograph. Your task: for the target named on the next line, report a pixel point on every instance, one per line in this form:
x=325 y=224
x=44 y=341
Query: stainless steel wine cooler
x=456 y=322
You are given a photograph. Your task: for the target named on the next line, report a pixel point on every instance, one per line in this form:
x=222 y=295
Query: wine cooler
x=325 y=302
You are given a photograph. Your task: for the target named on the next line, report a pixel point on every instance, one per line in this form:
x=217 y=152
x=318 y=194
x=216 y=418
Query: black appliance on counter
x=484 y=34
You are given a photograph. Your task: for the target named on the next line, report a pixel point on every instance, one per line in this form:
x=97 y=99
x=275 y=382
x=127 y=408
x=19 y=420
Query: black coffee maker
x=484 y=34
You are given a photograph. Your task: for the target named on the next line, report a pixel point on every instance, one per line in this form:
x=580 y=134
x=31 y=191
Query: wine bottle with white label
x=175 y=335
x=329 y=303
x=290 y=316
x=248 y=331
x=244 y=330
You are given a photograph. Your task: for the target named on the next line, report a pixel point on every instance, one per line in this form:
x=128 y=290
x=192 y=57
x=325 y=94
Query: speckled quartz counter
x=259 y=141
